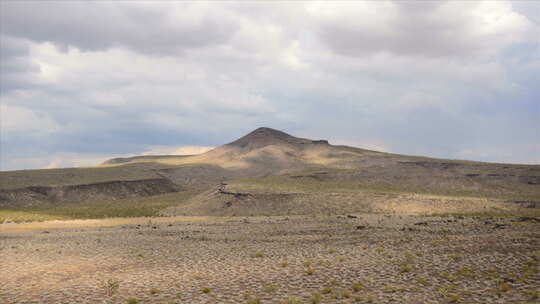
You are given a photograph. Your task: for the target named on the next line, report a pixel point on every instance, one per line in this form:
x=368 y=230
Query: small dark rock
x=352 y=216
x=499 y=226
x=361 y=227
x=45 y=231
x=421 y=224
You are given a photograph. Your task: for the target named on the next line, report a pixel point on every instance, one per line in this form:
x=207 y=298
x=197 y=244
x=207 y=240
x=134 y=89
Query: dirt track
x=377 y=258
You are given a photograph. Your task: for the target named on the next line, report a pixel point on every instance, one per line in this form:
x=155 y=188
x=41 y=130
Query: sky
x=82 y=82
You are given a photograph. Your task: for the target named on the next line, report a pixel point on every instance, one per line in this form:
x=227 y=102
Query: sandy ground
x=108 y=222
x=363 y=259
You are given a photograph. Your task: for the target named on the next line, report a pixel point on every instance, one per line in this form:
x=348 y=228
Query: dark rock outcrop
x=35 y=195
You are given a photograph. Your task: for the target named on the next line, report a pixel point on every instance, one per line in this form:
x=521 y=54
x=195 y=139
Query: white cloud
x=177 y=150
x=432 y=29
x=20 y=119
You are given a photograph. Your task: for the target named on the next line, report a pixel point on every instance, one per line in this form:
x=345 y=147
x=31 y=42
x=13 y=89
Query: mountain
x=271 y=172
x=266 y=151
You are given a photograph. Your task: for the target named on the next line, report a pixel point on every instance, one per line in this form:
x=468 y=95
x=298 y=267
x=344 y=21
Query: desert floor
x=364 y=258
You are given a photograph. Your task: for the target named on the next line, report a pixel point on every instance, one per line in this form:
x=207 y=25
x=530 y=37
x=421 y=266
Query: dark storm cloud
x=101 y=25
x=18 y=70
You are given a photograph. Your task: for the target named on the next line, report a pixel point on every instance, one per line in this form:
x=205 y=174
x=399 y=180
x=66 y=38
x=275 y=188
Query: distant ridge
x=121 y=160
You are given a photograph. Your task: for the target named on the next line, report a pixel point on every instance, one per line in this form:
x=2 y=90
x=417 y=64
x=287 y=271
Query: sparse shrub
x=390 y=289
x=408 y=256
x=532 y=294
x=422 y=281
x=270 y=288
x=454 y=298
x=284 y=264
x=154 y=291
x=345 y=294
x=259 y=255
x=315 y=298
x=254 y=301
x=110 y=286
x=308 y=263
x=132 y=301
x=326 y=290
x=205 y=290
x=356 y=287
x=365 y=299
x=443 y=292
x=504 y=287
x=405 y=268
x=447 y=276
x=310 y=271
x=293 y=300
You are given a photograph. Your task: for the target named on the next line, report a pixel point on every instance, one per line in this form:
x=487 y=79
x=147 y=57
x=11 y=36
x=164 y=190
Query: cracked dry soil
x=338 y=259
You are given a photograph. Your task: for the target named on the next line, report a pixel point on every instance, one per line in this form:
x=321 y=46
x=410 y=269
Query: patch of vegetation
x=364 y=299
x=254 y=301
x=132 y=207
x=504 y=287
x=532 y=294
x=293 y=300
x=110 y=286
x=270 y=288
x=327 y=290
x=356 y=287
x=344 y=294
x=315 y=298
x=422 y=281
x=405 y=268
x=206 y=290
x=302 y=183
x=77 y=176
x=154 y=291
x=132 y=301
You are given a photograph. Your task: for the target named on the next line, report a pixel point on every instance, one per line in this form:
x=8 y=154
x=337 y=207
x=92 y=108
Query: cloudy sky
x=84 y=81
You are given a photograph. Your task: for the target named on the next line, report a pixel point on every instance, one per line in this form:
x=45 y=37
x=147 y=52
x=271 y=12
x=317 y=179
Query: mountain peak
x=265 y=136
